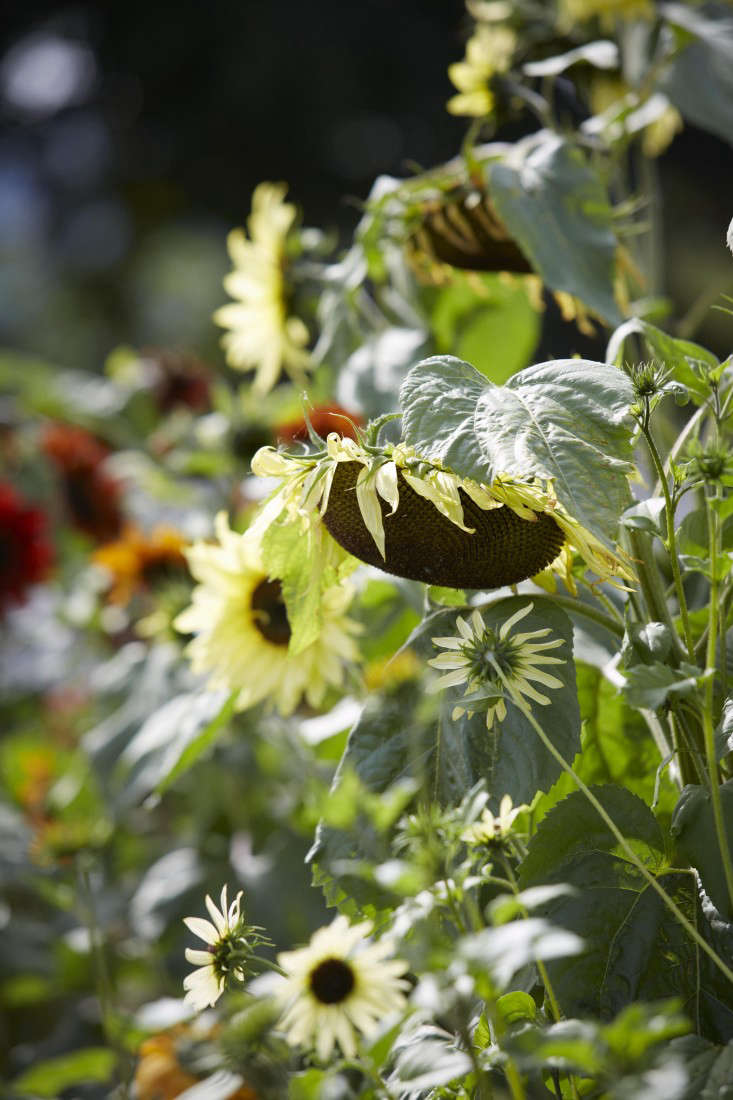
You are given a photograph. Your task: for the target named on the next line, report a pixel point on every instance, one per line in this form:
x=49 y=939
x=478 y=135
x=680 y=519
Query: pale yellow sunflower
x=477 y=653
x=491 y=827
x=242 y=632
x=339 y=985
x=489 y=51
x=262 y=336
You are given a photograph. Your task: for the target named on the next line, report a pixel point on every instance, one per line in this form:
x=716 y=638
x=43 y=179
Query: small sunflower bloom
x=262 y=335
x=478 y=654
x=137 y=560
x=340 y=985
x=491 y=827
x=242 y=631
x=488 y=52
x=223 y=935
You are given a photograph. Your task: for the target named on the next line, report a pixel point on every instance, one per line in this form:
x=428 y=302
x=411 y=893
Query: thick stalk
x=707 y=718
x=651 y=584
x=671 y=905
x=672 y=543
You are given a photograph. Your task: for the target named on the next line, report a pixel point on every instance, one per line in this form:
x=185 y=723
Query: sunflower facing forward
x=242 y=630
x=262 y=336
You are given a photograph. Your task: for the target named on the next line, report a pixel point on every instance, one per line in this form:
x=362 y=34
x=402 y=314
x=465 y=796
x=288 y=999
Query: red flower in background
x=325 y=419
x=92 y=497
x=177 y=379
x=25 y=553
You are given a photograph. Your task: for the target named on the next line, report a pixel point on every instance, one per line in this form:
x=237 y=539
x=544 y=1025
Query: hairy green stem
x=671 y=542
x=707 y=718
x=671 y=905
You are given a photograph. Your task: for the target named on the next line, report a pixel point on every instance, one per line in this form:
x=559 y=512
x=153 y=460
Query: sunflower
x=262 y=336
x=242 y=630
x=136 y=560
x=489 y=51
x=478 y=654
x=338 y=985
x=493 y=827
x=411 y=517
x=224 y=939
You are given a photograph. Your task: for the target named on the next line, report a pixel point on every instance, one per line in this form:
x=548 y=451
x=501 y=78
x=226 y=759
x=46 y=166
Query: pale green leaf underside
x=566 y=420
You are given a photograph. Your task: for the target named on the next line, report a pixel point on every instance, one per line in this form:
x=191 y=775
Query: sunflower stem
x=557 y=1013
x=614 y=829
x=707 y=717
x=671 y=543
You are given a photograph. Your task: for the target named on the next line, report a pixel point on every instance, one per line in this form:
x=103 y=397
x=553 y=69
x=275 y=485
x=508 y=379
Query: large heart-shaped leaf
x=556 y=208
x=566 y=420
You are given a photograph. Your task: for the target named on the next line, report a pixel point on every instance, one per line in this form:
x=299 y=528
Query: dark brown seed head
x=423 y=545
x=466 y=232
x=269 y=613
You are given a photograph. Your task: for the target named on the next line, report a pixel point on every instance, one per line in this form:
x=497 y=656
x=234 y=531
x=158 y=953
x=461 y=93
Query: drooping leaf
x=565 y=420
x=427 y=1057
x=699 y=80
x=555 y=206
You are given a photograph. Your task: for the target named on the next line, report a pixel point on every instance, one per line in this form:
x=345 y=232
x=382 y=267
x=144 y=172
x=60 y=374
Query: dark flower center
x=269 y=613
x=332 y=981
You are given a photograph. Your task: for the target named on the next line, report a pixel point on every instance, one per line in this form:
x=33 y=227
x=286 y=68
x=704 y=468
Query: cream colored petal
x=204 y=929
x=371 y=513
x=514 y=619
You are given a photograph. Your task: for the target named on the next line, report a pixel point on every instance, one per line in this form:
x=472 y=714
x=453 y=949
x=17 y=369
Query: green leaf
x=699 y=80
x=49 y=1078
x=427 y=1057
x=634 y=948
x=693 y=827
x=503 y=951
x=678 y=355
x=574 y=827
x=652 y=686
x=172 y=739
x=496 y=328
x=516 y=1007
x=724 y=730
x=555 y=206
x=299 y=562
x=566 y=420
x=646 y=516
x=645 y=644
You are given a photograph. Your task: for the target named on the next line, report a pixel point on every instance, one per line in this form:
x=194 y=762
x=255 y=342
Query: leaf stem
x=707 y=716
x=671 y=540
x=692 y=932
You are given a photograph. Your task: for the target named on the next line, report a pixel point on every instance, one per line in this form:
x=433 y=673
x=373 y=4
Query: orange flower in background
x=25 y=553
x=324 y=419
x=136 y=560
x=91 y=496
x=160 y=1076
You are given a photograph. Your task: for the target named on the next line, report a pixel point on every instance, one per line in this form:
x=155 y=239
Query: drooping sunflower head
x=411 y=517
x=263 y=335
x=242 y=631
